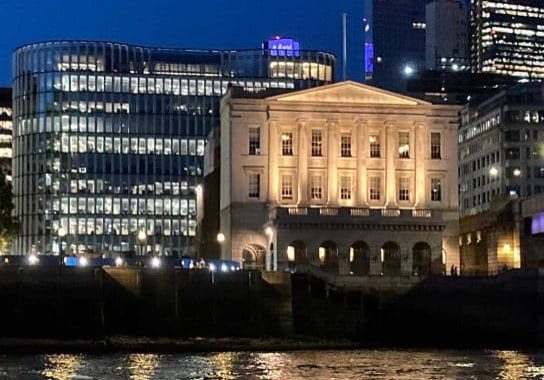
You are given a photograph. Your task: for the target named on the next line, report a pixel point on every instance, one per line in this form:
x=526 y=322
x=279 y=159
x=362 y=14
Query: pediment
x=348 y=93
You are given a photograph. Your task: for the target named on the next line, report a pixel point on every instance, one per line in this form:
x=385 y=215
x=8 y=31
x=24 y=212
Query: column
x=273 y=152
x=420 y=166
x=332 y=156
x=302 y=193
x=361 y=198
x=343 y=259
x=391 y=154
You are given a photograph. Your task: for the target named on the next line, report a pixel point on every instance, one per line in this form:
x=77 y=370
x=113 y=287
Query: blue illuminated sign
x=369 y=58
x=282 y=47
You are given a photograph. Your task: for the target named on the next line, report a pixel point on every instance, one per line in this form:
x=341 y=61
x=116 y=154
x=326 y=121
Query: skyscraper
x=394 y=42
x=508 y=37
x=109 y=138
x=446 y=37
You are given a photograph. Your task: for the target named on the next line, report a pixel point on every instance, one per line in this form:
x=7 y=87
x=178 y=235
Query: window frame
x=317 y=143
x=436 y=150
x=287 y=143
x=345 y=145
x=373 y=145
x=404 y=192
x=404 y=154
x=256 y=193
x=254 y=142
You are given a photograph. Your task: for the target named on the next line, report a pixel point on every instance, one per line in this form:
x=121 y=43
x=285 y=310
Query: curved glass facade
x=109 y=137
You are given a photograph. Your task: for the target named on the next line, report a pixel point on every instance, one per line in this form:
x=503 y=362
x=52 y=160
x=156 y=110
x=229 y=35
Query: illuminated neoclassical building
x=346 y=176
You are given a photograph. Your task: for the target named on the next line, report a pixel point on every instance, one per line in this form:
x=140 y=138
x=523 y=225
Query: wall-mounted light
x=220 y=237
x=269 y=231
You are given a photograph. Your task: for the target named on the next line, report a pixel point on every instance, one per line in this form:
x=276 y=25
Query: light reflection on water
x=315 y=365
x=61 y=367
x=142 y=366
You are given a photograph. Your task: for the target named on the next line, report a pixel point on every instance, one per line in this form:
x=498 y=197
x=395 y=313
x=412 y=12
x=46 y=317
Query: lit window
x=316 y=189
x=345 y=187
x=375 y=187
x=254 y=141
x=436 y=189
x=254 y=185
x=404 y=145
x=287 y=187
x=374 y=141
x=435 y=146
x=287 y=143
x=404 y=189
x=317 y=143
x=345 y=145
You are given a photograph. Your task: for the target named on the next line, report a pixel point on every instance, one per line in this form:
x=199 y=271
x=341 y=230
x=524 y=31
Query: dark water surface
x=360 y=364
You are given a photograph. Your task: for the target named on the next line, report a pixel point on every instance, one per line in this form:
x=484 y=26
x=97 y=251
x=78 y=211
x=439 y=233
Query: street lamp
x=62 y=233
x=141 y=237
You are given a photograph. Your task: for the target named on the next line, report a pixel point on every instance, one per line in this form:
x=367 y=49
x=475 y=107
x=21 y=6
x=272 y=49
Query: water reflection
x=272 y=365
x=515 y=365
x=142 y=366
x=223 y=364
x=61 y=367
x=312 y=365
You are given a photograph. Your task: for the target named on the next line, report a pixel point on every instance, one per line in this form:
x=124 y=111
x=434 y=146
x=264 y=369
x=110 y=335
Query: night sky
x=215 y=24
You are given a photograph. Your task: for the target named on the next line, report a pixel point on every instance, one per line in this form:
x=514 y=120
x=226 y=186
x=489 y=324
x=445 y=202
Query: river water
x=359 y=364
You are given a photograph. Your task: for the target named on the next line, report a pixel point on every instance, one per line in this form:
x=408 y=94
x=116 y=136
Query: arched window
x=359 y=259
x=421 y=260
x=297 y=253
x=391 y=264
x=328 y=256
x=253 y=256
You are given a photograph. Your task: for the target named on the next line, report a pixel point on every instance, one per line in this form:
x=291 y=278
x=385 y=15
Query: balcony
x=354 y=215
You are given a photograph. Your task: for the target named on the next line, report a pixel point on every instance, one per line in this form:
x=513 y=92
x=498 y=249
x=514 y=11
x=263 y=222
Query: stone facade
x=345 y=176
x=509 y=235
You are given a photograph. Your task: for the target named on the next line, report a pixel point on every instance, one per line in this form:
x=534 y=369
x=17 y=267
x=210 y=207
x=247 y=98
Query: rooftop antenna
x=344 y=45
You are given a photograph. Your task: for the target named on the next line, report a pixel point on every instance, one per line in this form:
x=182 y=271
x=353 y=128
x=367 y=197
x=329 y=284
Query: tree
x=9 y=225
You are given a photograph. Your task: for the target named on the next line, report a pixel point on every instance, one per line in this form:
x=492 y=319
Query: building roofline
x=360 y=85
x=155 y=47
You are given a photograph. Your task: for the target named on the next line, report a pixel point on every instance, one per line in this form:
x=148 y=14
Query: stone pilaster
x=332 y=166
x=391 y=154
x=420 y=152
x=273 y=153
x=303 y=147
x=362 y=154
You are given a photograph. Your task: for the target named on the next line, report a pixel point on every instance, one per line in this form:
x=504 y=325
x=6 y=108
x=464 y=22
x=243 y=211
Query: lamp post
x=61 y=233
x=141 y=237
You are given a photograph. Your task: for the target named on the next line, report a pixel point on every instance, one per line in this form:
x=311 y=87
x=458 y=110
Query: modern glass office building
x=508 y=37
x=109 y=138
